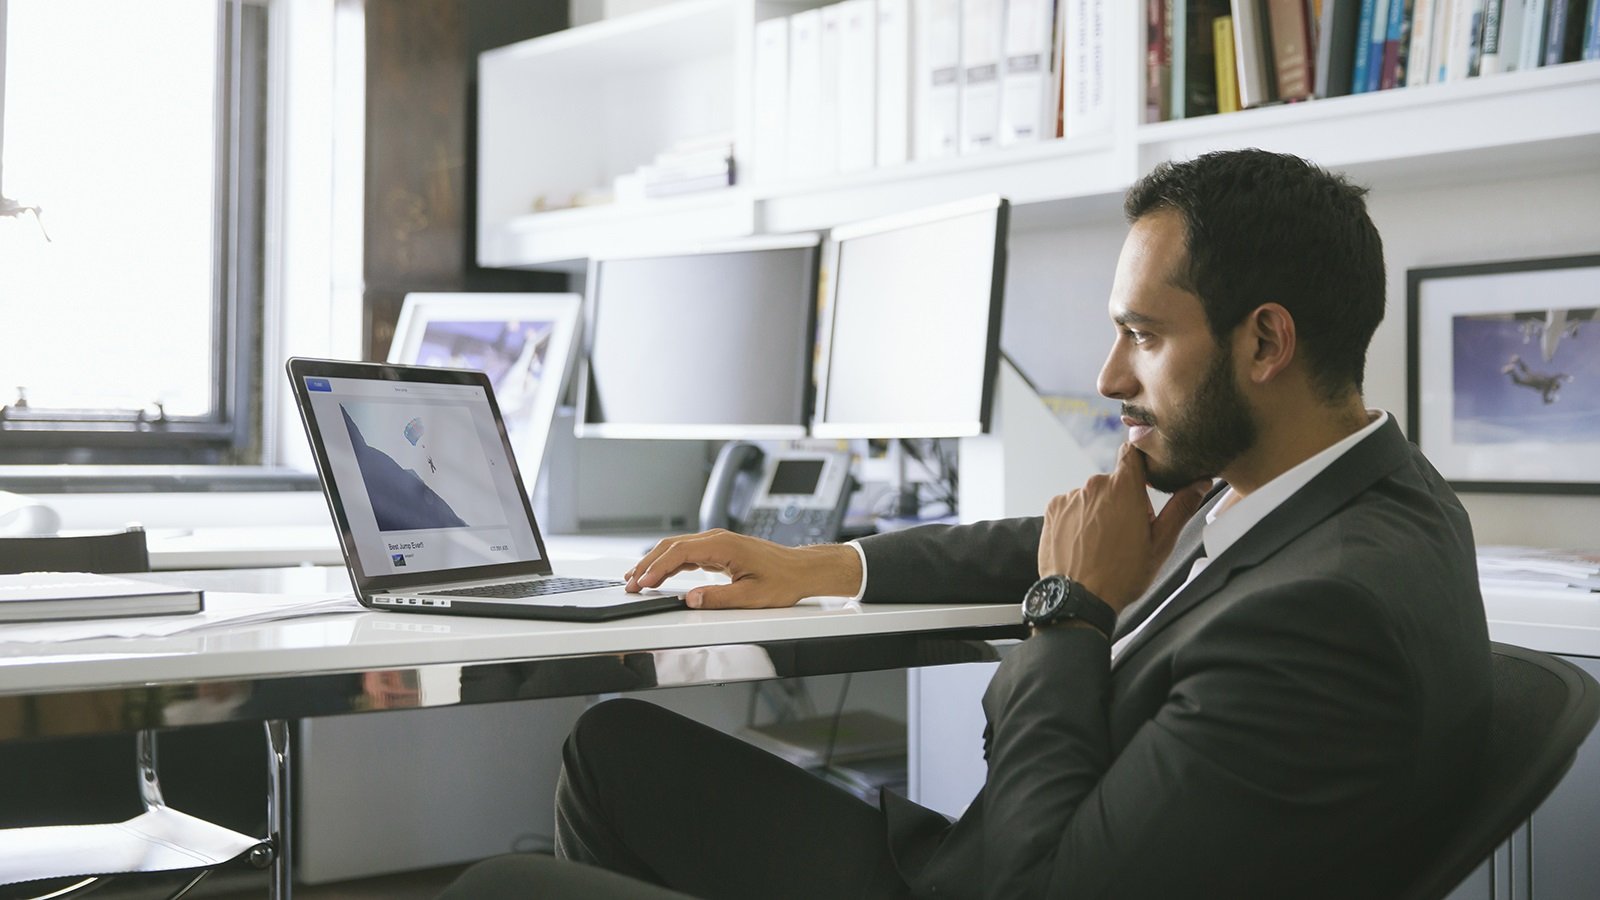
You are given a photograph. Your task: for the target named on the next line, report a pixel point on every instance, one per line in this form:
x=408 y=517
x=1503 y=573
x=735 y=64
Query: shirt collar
x=1223 y=531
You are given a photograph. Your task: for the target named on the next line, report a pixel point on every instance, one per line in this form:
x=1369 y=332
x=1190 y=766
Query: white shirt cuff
x=863 y=554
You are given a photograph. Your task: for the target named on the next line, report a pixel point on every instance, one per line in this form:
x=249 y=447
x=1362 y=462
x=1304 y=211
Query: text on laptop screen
x=422 y=474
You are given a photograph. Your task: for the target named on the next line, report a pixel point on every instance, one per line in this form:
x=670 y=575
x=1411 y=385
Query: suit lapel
x=1349 y=475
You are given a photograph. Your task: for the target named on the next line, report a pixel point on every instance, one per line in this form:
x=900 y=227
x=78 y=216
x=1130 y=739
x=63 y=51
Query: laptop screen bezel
x=301 y=368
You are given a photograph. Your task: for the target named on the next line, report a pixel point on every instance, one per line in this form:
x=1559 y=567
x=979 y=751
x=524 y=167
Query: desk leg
x=278 y=810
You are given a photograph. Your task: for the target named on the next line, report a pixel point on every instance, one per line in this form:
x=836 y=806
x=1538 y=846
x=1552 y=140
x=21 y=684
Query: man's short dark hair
x=1273 y=228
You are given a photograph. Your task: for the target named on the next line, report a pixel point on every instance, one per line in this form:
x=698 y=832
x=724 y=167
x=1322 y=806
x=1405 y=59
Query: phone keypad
x=790 y=524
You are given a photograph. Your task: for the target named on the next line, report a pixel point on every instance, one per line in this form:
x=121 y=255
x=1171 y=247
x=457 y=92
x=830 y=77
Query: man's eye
x=1138 y=337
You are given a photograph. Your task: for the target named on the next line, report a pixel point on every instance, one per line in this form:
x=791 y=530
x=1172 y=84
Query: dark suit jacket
x=1295 y=724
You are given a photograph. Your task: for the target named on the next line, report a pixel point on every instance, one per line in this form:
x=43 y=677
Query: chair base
x=160 y=840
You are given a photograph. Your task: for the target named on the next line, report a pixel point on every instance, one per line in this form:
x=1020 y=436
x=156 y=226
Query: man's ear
x=1269 y=342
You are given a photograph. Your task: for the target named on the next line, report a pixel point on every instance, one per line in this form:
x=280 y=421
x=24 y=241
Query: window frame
x=232 y=432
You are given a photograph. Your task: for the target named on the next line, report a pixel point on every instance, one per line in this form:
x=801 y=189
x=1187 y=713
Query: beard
x=1210 y=430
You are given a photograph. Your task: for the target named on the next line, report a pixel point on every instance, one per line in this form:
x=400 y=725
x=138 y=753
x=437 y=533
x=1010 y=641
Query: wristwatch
x=1056 y=598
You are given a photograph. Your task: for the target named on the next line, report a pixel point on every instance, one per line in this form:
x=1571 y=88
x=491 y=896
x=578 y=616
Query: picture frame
x=1503 y=373
x=523 y=342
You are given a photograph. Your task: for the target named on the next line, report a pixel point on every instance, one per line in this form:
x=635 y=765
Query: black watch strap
x=1077 y=602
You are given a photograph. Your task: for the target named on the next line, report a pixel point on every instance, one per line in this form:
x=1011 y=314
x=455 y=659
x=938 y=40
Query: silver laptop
x=433 y=516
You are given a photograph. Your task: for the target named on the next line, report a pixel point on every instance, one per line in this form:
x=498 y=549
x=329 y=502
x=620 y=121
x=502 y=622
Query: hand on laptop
x=763 y=574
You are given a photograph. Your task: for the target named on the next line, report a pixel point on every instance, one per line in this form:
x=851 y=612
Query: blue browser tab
x=318 y=384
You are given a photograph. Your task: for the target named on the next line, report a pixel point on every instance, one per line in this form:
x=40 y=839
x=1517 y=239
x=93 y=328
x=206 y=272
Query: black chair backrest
x=1544 y=707
x=105 y=554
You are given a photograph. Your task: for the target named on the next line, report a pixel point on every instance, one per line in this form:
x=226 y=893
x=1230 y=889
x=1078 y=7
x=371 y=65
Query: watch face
x=1045 y=598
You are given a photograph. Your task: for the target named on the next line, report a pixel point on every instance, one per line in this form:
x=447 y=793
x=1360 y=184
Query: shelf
x=563 y=239
x=1516 y=123
x=676 y=33
x=1045 y=173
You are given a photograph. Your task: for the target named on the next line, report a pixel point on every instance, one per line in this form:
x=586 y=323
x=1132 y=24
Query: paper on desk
x=222 y=610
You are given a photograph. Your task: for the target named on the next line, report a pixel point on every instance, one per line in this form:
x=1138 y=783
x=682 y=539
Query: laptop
x=433 y=515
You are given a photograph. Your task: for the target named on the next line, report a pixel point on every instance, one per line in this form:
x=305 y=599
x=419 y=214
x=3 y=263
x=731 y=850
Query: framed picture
x=523 y=342
x=1503 y=373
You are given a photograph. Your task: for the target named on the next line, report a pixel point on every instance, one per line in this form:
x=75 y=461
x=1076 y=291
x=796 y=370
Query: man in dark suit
x=1269 y=688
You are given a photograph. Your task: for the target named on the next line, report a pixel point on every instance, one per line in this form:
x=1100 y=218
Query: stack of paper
x=1539 y=568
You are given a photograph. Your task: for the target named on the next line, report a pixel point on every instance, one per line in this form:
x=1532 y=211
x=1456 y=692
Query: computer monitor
x=911 y=325
x=713 y=344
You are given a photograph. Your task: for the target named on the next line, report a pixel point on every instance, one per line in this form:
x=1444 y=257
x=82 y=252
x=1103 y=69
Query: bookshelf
x=567 y=112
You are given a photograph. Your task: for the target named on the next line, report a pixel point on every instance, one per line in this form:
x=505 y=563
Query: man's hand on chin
x=763 y=574
x=1105 y=535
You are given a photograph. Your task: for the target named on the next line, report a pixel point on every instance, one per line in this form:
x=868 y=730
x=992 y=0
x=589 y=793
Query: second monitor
x=711 y=344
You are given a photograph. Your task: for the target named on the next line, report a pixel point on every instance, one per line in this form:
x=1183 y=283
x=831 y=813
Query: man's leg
x=651 y=794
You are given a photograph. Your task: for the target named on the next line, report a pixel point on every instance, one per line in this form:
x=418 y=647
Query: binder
x=982 y=33
x=805 y=93
x=857 y=91
x=832 y=41
x=1027 y=88
x=770 y=94
x=937 y=116
x=894 y=82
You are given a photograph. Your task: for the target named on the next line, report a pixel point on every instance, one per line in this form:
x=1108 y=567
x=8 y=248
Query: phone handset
x=735 y=477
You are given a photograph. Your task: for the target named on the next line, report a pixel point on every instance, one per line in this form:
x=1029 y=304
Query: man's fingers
x=740 y=594
x=1181 y=506
x=1130 y=471
x=682 y=554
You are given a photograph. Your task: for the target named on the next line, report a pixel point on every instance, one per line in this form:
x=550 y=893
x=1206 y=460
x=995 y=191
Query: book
x=857 y=106
x=894 y=82
x=1375 y=41
x=1250 y=47
x=1489 y=52
x=1291 y=49
x=1157 y=61
x=982 y=37
x=1227 y=71
x=1028 y=82
x=1419 y=54
x=1466 y=28
x=1363 y=60
x=1399 y=15
x=1535 y=18
x=770 y=94
x=1591 y=32
x=1512 y=13
x=1086 y=106
x=1564 y=39
x=1336 y=47
x=58 y=596
x=936 y=111
x=1194 y=69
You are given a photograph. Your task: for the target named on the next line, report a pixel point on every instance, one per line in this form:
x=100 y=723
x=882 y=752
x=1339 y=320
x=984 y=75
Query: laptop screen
x=422 y=474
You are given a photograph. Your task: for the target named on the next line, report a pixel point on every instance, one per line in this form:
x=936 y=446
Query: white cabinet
x=568 y=112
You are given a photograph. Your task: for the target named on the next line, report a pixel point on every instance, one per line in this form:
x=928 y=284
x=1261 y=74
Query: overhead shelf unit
x=561 y=116
x=572 y=110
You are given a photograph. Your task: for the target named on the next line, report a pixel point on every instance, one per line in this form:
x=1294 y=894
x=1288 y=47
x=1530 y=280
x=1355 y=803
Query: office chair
x=1544 y=707
x=52 y=861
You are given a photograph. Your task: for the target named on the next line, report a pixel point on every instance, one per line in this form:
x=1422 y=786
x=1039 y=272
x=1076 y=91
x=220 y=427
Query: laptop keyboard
x=520 y=589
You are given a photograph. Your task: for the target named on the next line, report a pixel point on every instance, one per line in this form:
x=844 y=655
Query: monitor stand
x=1026 y=458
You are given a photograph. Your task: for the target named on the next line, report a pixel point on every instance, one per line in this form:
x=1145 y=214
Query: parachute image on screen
x=423 y=467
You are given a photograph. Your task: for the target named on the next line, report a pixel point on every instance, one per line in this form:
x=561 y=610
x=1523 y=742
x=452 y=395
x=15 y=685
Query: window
x=130 y=304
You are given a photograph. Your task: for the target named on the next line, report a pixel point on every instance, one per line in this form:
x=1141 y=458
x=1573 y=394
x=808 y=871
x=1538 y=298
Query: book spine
x=1250 y=48
x=1591 y=32
x=1290 y=48
x=1088 y=105
x=1336 y=47
x=937 y=117
x=805 y=92
x=1375 y=41
x=858 y=90
x=1534 y=22
x=832 y=46
x=1157 y=61
x=1444 y=18
x=1489 y=56
x=1227 y=73
x=1511 y=14
x=1026 y=84
x=770 y=92
x=1178 y=24
x=1388 y=75
x=981 y=35
x=1200 y=69
x=1556 y=32
x=1403 y=66
x=1363 y=47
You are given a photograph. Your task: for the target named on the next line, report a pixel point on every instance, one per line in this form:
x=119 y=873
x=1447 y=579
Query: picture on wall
x=1504 y=373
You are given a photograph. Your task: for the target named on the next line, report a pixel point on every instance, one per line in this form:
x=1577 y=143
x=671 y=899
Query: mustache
x=1138 y=414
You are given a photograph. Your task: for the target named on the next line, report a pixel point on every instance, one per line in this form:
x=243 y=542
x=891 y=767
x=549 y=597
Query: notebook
x=432 y=513
x=54 y=596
